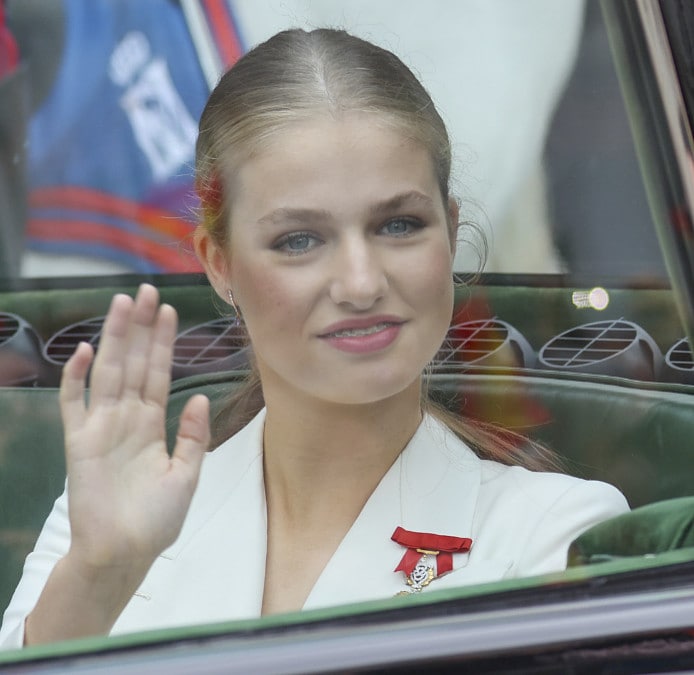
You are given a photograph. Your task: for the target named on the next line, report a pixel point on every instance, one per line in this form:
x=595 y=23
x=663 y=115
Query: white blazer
x=521 y=524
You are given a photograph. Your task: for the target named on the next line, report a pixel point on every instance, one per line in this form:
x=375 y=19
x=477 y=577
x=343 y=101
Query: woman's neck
x=324 y=460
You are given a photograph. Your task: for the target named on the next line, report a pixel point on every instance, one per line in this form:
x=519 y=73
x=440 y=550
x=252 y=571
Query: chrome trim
x=453 y=639
x=671 y=94
x=662 y=136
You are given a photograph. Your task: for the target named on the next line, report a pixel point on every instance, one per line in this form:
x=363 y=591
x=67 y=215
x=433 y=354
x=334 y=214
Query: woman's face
x=340 y=260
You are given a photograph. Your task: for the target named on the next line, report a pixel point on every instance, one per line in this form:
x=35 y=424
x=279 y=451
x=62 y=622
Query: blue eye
x=297 y=242
x=401 y=227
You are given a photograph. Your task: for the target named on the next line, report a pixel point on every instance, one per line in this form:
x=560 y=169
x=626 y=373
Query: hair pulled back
x=296 y=76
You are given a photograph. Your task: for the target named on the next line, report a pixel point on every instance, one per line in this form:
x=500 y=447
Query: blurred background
x=99 y=101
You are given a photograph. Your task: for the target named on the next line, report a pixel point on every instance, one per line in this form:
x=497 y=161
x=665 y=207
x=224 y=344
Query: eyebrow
x=284 y=216
x=402 y=200
x=307 y=217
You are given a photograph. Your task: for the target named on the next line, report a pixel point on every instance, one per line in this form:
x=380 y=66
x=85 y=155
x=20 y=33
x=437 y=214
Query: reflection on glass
x=539 y=157
x=580 y=369
x=597 y=298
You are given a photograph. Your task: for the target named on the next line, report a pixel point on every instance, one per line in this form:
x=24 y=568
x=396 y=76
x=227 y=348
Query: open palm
x=127 y=497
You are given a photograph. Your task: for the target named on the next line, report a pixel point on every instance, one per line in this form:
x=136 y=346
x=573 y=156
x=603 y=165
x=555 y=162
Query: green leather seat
x=32 y=474
x=647 y=530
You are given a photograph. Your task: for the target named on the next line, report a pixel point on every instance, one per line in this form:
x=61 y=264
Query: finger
x=193 y=437
x=72 y=387
x=158 y=376
x=106 y=380
x=140 y=336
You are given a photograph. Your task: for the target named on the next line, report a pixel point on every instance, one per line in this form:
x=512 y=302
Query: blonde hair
x=295 y=76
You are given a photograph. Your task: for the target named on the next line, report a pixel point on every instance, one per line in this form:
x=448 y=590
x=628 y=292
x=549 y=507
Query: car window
x=572 y=333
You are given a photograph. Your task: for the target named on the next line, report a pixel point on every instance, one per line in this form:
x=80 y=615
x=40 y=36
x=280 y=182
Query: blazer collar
x=225 y=470
x=215 y=570
x=432 y=487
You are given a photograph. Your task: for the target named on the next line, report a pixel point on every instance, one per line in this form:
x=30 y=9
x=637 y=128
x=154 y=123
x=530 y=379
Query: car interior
x=595 y=363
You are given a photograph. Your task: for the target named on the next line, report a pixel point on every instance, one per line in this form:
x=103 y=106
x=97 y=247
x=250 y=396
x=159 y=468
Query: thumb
x=193 y=438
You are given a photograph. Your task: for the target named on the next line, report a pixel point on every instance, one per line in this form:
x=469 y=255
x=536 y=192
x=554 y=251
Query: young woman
x=323 y=169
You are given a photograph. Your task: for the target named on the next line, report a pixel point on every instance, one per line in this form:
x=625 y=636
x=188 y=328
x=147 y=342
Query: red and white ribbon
x=419 y=544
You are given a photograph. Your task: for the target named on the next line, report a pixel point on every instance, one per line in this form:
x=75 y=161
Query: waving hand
x=127 y=497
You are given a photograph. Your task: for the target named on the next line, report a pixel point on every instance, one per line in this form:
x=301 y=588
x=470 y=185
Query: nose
x=358 y=275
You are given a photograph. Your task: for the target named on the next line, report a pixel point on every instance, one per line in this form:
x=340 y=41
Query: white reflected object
x=596 y=298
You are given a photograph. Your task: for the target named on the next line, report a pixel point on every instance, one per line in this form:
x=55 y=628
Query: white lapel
x=432 y=487
x=215 y=570
x=216 y=567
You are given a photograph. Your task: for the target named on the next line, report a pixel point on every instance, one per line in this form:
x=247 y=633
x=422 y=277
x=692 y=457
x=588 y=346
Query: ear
x=214 y=261
x=453 y=222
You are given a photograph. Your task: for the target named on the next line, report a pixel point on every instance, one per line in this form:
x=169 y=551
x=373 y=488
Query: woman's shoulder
x=518 y=484
x=528 y=518
x=550 y=490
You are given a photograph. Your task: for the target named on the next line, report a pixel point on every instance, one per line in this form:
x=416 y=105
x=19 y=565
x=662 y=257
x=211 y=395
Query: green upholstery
x=648 y=530
x=538 y=313
x=635 y=437
x=32 y=474
x=51 y=310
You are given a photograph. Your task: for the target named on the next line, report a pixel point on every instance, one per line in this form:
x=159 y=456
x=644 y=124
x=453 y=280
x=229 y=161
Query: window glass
x=570 y=336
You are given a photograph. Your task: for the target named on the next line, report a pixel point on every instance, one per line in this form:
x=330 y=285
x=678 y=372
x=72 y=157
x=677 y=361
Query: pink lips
x=363 y=335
